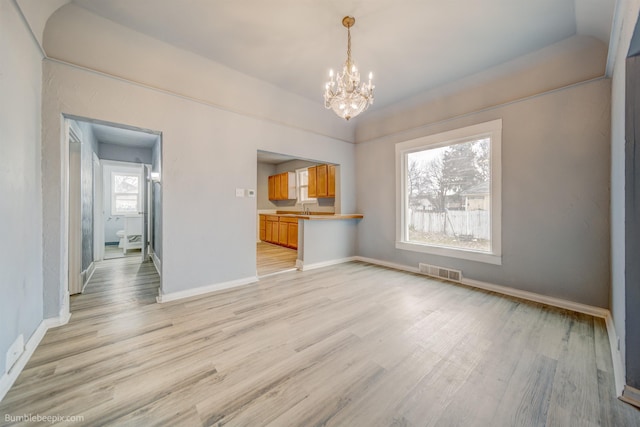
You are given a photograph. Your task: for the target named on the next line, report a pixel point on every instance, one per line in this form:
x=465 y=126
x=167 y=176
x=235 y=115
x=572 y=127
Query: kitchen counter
x=323 y=216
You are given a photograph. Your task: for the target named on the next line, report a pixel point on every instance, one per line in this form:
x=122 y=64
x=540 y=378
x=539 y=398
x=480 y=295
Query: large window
x=125 y=190
x=449 y=193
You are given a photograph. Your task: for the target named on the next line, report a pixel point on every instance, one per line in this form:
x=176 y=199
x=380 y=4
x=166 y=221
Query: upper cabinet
x=322 y=181
x=282 y=186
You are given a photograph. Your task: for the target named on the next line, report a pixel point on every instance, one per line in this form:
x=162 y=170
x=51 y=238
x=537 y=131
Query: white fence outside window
x=475 y=224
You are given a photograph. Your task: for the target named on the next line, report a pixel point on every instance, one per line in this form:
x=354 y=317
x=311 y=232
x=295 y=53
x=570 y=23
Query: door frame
x=98 y=210
x=74 y=207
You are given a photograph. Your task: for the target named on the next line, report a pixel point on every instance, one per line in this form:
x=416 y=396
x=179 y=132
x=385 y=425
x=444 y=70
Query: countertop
x=318 y=216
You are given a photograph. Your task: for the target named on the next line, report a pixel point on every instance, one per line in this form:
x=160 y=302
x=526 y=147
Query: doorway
x=98 y=152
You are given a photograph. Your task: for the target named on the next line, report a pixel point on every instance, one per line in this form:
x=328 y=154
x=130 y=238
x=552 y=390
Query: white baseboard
x=156 y=263
x=387 y=264
x=7 y=380
x=162 y=298
x=87 y=275
x=300 y=265
x=616 y=357
x=631 y=395
x=539 y=298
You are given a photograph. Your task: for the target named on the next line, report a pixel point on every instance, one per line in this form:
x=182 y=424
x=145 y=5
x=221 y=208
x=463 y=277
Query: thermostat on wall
x=251 y=192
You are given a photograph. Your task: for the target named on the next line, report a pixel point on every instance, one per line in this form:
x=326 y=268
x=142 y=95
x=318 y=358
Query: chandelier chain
x=349 y=47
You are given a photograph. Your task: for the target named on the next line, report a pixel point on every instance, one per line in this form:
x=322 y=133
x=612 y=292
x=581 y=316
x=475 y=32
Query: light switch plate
x=239 y=192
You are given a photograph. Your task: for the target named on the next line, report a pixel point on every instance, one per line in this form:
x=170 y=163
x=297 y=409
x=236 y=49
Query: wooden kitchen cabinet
x=282 y=186
x=292 y=237
x=322 y=181
x=263 y=227
x=311 y=176
x=279 y=230
x=272 y=187
x=290 y=227
x=271 y=228
x=283 y=233
x=331 y=181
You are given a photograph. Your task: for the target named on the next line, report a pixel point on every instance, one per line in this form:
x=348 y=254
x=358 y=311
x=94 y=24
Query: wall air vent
x=440 y=272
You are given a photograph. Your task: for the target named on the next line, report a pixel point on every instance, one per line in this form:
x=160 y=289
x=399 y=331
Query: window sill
x=484 y=257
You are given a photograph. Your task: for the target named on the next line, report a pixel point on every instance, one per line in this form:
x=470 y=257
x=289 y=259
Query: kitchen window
x=302 y=178
x=449 y=193
x=125 y=193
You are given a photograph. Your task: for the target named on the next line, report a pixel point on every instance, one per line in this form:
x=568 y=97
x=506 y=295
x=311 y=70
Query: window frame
x=491 y=129
x=299 y=200
x=114 y=211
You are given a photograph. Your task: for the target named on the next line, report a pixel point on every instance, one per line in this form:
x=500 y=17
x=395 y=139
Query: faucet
x=305 y=209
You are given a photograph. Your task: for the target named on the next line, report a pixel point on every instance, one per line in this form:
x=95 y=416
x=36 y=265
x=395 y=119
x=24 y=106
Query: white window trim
x=492 y=129
x=114 y=194
x=299 y=201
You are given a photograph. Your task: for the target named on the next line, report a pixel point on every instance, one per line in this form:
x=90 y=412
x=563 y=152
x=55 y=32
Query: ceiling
x=410 y=45
x=108 y=134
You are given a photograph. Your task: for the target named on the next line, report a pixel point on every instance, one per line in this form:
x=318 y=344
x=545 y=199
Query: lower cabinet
x=279 y=230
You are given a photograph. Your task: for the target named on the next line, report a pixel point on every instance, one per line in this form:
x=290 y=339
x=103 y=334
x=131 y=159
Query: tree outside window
x=124 y=193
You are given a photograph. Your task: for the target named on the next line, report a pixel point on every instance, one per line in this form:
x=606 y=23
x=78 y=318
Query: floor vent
x=440 y=272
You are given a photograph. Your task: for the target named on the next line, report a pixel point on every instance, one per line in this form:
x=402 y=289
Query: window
x=124 y=193
x=302 y=178
x=449 y=194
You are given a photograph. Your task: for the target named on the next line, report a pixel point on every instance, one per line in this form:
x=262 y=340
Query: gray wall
x=618 y=239
x=555 y=195
x=156 y=166
x=123 y=153
x=208 y=232
x=632 y=224
x=88 y=148
x=21 y=271
x=265 y=170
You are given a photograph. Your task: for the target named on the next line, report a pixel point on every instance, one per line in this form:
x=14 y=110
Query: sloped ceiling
x=411 y=46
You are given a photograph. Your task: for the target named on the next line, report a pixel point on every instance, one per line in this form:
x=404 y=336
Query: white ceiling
x=410 y=45
x=120 y=136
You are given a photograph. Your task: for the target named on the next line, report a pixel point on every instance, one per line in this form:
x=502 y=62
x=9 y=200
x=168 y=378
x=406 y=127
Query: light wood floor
x=273 y=258
x=348 y=345
x=113 y=251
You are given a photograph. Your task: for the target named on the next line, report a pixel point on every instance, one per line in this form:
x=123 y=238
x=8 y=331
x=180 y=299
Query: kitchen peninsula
x=320 y=238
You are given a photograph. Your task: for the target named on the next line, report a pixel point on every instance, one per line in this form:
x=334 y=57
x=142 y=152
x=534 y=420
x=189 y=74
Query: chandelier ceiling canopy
x=344 y=93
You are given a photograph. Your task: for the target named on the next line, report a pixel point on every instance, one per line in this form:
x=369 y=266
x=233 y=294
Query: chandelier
x=345 y=94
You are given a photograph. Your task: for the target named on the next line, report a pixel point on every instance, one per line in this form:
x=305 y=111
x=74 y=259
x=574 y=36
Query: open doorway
x=115 y=197
x=284 y=189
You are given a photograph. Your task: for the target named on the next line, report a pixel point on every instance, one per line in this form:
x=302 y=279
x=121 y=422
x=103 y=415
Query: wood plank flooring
x=348 y=345
x=273 y=258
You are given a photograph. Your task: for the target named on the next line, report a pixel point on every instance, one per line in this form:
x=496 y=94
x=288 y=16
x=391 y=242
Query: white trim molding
x=300 y=265
x=491 y=130
x=157 y=263
x=616 y=357
x=8 y=378
x=87 y=275
x=172 y=296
